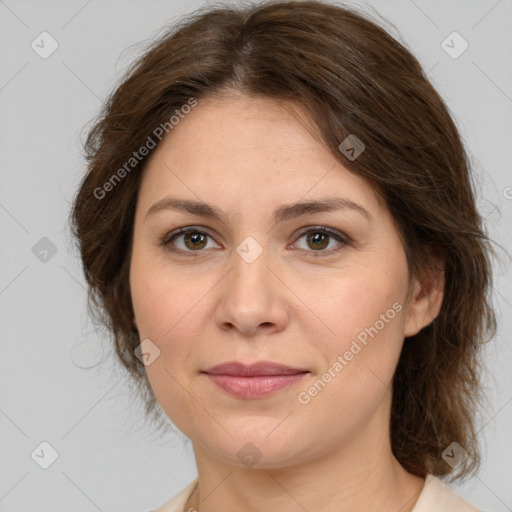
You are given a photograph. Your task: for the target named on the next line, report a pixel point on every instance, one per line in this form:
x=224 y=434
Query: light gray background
x=107 y=459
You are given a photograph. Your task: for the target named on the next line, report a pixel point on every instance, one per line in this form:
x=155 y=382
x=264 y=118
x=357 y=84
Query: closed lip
x=260 y=368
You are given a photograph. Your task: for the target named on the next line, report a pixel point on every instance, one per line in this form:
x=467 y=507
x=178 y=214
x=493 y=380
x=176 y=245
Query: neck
x=362 y=475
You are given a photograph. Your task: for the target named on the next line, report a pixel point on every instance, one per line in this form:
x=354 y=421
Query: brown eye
x=321 y=241
x=188 y=240
x=194 y=240
x=318 y=240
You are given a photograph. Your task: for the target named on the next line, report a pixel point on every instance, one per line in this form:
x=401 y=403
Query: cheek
x=160 y=297
x=360 y=355
x=360 y=350
x=355 y=302
x=170 y=319
x=171 y=309
x=166 y=315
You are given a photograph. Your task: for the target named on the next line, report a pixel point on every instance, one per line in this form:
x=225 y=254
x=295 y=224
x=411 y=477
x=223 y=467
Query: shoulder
x=436 y=496
x=177 y=502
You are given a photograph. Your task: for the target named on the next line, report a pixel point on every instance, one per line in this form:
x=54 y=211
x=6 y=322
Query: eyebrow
x=283 y=213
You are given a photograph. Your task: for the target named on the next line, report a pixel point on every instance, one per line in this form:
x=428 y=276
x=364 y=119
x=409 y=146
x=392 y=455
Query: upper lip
x=260 y=368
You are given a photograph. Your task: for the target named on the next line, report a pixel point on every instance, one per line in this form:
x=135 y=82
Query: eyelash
x=342 y=239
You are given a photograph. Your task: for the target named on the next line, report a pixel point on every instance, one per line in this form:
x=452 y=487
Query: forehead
x=233 y=126
x=243 y=151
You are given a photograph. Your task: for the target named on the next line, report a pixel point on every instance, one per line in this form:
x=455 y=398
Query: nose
x=252 y=299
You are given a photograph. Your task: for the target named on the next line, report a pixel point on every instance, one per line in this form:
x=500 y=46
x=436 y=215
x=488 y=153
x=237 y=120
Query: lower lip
x=254 y=387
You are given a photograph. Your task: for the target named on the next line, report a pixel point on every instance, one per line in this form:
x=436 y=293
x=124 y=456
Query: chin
x=258 y=444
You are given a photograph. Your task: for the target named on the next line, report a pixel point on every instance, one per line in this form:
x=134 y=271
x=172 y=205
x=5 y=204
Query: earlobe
x=426 y=301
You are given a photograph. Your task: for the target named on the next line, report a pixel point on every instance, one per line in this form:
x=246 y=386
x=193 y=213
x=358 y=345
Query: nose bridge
x=250 y=274
x=251 y=294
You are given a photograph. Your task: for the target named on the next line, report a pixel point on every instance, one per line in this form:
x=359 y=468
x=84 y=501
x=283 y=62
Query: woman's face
x=319 y=290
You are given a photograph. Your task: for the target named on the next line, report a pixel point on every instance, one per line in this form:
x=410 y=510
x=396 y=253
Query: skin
x=248 y=156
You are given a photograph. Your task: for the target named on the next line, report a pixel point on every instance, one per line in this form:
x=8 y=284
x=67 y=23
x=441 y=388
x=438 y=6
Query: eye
x=187 y=239
x=319 y=238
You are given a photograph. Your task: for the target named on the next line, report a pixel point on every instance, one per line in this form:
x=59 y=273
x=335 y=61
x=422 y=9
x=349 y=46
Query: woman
x=279 y=227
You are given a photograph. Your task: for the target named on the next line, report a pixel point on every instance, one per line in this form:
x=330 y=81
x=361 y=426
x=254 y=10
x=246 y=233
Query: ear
x=427 y=295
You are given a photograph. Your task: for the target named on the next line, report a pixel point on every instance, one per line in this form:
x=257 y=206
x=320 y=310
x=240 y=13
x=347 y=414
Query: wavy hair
x=351 y=77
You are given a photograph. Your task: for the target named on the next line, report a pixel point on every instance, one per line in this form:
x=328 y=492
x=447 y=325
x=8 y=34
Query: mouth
x=257 y=380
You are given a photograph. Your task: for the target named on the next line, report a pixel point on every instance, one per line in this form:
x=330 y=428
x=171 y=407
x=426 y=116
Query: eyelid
x=183 y=230
x=330 y=231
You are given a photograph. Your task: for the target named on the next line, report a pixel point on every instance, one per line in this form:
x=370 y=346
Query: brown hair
x=351 y=77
